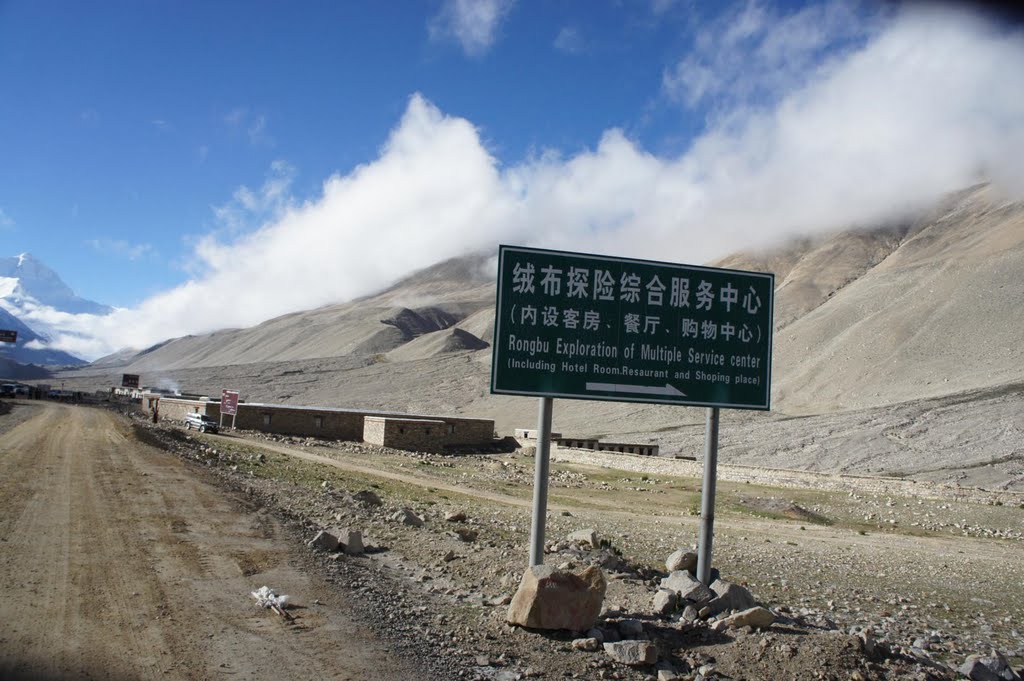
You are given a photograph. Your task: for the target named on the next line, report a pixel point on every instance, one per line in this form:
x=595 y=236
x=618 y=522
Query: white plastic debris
x=268 y=598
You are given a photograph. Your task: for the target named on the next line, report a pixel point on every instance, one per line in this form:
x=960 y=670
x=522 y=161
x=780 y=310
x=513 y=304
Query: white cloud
x=6 y=222
x=236 y=117
x=254 y=125
x=162 y=126
x=756 y=54
x=473 y=24
x=120 y=248
x=929 y=99
x=570 y=41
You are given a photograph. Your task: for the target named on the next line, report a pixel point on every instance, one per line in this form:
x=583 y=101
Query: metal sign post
x=540 y=481
x=707 y=498
x=595 y=327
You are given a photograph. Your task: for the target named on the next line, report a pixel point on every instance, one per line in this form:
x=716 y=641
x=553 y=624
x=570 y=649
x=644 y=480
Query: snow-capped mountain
x=27 y=285
x=38 y=283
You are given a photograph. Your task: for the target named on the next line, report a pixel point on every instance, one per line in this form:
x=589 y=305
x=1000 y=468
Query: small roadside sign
x=229 y=402
x=605 y=328
x=129 y=380
x=229 y=406
x=7 y=336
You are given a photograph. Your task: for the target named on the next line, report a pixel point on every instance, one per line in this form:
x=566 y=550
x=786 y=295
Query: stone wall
x=335 y=424
x=787 y=478
x=467 y=432
x=421 y=434
x=627 y=448
x=418 y=435
x=331 y=424
x=175 y=409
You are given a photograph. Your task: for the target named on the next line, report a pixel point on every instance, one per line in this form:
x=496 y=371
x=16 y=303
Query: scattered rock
x=688 y=588
x=407 y=517
x=991 y=668
x=548 y=598
x=449 y=557
x=351 y=542
x=665 y=602
x=633 y=653
x=682 y=560
x=455 y=516
x=466 y=534
x=589 y=645
x=324 y=541
x=728 y=596
x=588 y=536
x=367 y=498
x=757 y=617
x=631 y=629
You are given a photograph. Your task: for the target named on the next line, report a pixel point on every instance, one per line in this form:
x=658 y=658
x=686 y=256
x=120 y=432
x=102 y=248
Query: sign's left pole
x=542 y=462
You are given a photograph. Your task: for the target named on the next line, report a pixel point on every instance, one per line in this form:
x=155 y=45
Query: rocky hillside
x=866 y=317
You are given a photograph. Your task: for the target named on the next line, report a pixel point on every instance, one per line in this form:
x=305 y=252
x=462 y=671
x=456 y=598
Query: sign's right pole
x=707 y=498
x=542 y=463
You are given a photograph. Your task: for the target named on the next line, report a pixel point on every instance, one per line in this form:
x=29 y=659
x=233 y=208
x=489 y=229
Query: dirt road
x=117 y=562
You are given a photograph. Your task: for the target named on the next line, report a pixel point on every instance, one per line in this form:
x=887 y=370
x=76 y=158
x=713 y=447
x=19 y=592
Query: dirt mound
x=414 y=323
x=773 y=507
x=459 y=340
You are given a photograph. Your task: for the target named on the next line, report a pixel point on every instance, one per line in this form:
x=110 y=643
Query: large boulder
x=687 y=586
x=728 y=596
x=758 y=617
x=324 y=541
x=682 y=560
x=992 y=668
x=587 y=537
x=633 y=653
x=549 y=598
x=665 y=602
x=351 y=542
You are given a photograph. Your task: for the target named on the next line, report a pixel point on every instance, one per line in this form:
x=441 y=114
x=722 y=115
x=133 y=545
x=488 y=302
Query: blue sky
x=153 y=152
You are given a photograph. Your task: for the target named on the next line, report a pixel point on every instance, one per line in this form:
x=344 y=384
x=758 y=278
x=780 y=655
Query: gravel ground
x=932 y=580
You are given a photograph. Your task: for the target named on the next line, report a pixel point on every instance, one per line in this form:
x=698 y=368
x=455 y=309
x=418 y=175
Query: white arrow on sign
x=639 y=389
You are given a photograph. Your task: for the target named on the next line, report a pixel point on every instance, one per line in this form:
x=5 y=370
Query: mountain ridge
x=848 y=334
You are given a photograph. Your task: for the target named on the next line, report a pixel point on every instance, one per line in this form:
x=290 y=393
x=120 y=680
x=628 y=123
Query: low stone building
x=627 y=448
x=402 y=431
x=175 y=408
x=528 y=436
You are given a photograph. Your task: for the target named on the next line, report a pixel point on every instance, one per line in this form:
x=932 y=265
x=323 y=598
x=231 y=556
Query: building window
x=428 y=431
x=318 y=421
x=451 y=428
x=401 y=430
x=266 y=419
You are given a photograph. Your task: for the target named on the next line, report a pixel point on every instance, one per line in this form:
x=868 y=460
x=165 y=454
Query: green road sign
x=602 y=328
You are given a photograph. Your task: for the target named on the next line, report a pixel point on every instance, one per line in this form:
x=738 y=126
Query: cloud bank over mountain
x=909 y=107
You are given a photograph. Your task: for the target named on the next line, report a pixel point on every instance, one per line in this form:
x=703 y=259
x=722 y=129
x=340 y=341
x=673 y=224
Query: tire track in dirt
x=118 y=562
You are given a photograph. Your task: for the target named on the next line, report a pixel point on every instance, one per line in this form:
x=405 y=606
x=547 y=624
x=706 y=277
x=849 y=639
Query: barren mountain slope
x=432 y=300
x=810 y=271
x=942 y=314
x=864 y=317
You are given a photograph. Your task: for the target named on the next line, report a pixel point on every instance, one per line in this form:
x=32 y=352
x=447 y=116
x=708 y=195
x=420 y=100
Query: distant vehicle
x=205 y=424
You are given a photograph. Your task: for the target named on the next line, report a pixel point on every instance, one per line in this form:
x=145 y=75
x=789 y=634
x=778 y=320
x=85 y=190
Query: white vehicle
x=203 y=423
